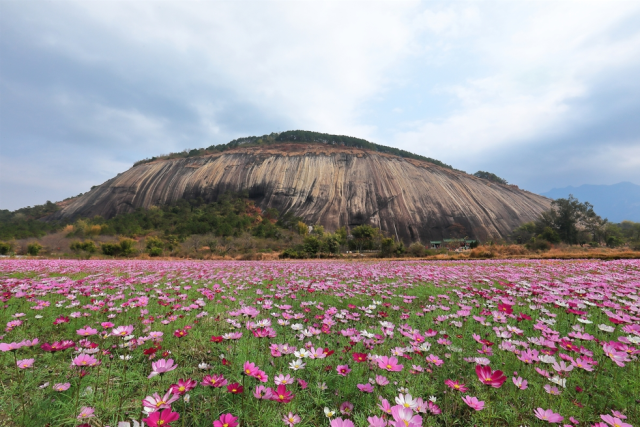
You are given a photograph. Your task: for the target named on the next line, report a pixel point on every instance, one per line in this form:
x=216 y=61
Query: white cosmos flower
x=606 y=328
x=329 y=412
x=297 y=365
x=585 y=321
x=557 y=380
x=302 y=353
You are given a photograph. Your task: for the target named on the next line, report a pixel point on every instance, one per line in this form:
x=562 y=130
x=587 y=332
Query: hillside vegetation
x=299 y=136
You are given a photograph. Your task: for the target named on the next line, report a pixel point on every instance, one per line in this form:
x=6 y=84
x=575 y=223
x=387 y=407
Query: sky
x=543 y=94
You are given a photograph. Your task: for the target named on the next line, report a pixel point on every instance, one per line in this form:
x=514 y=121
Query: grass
x=116 y=387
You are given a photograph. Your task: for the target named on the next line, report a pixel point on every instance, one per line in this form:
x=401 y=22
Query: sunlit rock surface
x=329 y=185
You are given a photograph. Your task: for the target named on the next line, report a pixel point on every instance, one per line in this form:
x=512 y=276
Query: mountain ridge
x=327 y=184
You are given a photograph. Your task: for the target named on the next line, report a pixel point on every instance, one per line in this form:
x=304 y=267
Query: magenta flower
x=456 y=386
x=161 y=366
x=548 y=416
x=389 y=363
x=474 y=403
x=262 y=392
x=343 y=370
x=25 y=363
x=226 y=420
x=214 y=381
x=493 y=378
x=183 y=386
x=250 y=369
x=162 y=419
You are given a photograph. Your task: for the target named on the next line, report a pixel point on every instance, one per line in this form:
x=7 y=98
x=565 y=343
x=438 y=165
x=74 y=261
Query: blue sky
x=544 y=94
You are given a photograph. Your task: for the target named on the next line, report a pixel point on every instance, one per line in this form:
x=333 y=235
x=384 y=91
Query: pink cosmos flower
x=183 y=386
x=520 y=383
x=343 y=370
x=25 y=363
x=384 y=405
x=12 y=346
x=61 y=386
x=377 y=422
x=86 y=412
x=122 y=331
x=404 y=417
x=214 y=381
x=156 y=402
x=302 y=383
x=87 y=331
x=85 y=360
x=474 y=403
x=281 y=394
x=365 y=388
x=614 y=421
x=282 y=379
x=250 y=369
x=339 y=422
x=291 y=419
x=161 y=366
x=346 y=408
x=456 y=385
x=262 y=392
x=226 y=420
x=493 y=378
x=389 y=363
x=548 y=416
x=381 y=380
x=162 y=419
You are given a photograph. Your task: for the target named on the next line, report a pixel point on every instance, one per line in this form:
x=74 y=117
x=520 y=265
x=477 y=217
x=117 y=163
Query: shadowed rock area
x=329 y=185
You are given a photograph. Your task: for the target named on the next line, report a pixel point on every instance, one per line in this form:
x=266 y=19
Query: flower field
x=485 y=343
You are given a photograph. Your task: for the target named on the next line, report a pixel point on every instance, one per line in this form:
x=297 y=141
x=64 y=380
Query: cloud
x=87 y=88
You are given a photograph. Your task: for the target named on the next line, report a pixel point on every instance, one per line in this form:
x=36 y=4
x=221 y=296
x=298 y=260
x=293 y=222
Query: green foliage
x=88 y=246
x=125 y=247
x=365 y=237
x=538 y=245
x=5 y=248
x=34 y=249
x=312 y=244
x=300 y=136
x=25 y=223
x=473 y=244
x=416 y=249
x=550 y=235
x=490 y=177
x=389 y=247
x=154 y=246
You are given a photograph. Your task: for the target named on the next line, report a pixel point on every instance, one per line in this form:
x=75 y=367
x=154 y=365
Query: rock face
x=329 y=185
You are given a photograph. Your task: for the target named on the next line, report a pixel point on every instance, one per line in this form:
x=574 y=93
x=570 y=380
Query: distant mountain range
x=617 y=202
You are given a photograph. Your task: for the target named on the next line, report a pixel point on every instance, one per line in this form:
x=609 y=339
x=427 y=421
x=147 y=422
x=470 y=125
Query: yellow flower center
x=281 y=396
x=388 y=366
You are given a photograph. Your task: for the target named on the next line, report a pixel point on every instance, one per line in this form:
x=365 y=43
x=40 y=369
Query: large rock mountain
x=326 y=184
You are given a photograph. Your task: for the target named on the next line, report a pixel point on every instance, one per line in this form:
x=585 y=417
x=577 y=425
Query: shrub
x=5 y=248
x=127 y=247
x=290 y=253
x=482 y=252
x=110 y=249
x=87 y=246
x=538 y=245
x=416 y=249
x=34 y=248
x=155 y=251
